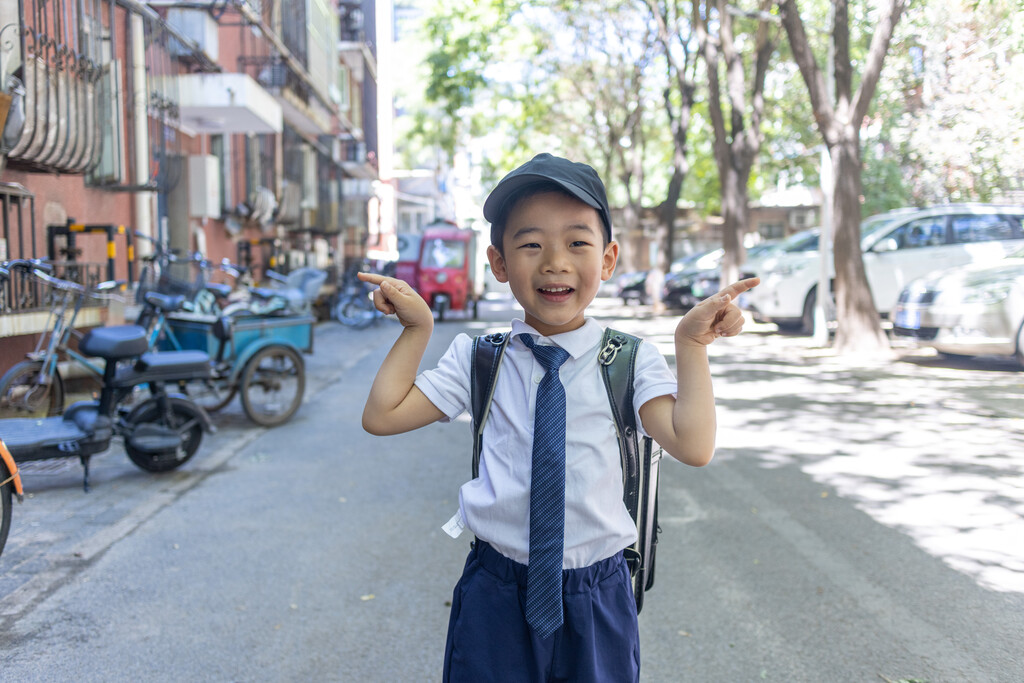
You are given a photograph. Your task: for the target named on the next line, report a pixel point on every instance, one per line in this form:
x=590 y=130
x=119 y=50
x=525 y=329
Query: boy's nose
x=557 y=261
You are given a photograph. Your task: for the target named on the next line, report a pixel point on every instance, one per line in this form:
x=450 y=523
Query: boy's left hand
x=717 y=316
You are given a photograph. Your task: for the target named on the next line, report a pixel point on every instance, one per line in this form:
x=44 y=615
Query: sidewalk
x=60 y=524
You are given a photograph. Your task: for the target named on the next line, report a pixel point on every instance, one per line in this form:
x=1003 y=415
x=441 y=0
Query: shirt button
x=537 y=379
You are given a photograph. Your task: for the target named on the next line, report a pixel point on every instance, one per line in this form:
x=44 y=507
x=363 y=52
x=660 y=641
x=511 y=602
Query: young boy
x=545 y=593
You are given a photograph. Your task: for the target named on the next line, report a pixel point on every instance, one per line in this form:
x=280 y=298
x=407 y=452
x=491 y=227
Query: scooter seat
x=115 y=342
x=165 y=366
x=165 y=302
x=218 y=289
x=264 y=293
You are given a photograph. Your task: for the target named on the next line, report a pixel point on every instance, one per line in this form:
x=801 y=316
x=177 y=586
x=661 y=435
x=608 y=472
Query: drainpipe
x=140 y=119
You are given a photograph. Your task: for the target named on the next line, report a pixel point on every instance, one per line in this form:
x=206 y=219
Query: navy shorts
x=489 y=640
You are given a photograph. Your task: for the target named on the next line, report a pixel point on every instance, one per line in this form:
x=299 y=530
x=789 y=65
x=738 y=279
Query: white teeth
x=556 y=290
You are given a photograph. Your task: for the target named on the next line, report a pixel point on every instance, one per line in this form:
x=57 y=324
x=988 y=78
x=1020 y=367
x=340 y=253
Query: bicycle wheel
x=272 y=385
x=23 y=393
x=5 y=504
x=212 y=394
x=148 y=424
x=357 y=314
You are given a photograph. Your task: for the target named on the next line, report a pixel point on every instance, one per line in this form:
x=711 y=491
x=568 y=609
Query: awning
x=227 y=103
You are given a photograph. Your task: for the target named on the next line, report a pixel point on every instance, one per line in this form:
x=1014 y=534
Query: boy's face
x=555 y=259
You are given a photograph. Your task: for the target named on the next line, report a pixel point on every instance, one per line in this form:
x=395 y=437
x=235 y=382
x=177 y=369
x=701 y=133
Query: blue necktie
x=547 y=495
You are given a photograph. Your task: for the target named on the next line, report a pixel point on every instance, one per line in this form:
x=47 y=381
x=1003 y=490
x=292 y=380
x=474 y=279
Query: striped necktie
x=547 y=495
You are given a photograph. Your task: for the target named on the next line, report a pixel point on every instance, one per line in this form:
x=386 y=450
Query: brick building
x=239 y=129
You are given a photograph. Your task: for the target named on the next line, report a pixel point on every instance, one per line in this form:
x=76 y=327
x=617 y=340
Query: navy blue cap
x=579 y=180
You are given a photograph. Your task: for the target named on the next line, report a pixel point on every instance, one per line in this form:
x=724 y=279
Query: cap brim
x=498 y=196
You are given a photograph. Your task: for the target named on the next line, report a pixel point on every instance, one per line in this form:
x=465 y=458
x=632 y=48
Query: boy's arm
x=395 y=404
x=685 y=426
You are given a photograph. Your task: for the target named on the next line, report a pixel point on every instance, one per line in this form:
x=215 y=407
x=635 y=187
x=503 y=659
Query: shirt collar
x=577 y=342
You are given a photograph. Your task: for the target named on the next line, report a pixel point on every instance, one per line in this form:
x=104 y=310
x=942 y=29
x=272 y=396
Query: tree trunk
x=734 y=220
x=859 y=330
x=667 y=214
x=839 y=118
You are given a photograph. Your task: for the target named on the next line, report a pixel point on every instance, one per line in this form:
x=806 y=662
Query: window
x=923 y=232
x=988 y=228
x=220 y=147
x=111 y=167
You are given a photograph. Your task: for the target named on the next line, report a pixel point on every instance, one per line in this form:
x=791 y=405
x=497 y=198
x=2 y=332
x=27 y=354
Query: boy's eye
x=529 y=245
x=580 y=243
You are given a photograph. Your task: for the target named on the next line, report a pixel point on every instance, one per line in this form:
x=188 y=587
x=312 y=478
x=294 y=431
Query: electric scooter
x=160 y=432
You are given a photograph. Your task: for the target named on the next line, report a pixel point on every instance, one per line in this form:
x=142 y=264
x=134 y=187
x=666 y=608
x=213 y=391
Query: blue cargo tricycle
x=258 y=357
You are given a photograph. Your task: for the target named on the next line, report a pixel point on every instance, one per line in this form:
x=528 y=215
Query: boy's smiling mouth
x=555 y=292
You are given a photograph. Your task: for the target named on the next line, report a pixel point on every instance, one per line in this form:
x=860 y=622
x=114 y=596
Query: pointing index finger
x=372 y=278
x=737 y=288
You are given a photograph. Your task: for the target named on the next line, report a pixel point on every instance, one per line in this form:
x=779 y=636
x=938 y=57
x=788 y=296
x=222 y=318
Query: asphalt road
x=860 y=522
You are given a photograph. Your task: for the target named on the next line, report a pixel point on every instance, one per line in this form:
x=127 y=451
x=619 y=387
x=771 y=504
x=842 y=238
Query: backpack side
x=640 y=462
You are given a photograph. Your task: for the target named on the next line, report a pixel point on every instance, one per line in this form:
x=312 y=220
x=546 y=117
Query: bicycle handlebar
x=104 y=290
x=29 y=264
x=57 y=283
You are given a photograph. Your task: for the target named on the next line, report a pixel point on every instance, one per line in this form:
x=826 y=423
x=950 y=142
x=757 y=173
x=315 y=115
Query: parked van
x=898 y=247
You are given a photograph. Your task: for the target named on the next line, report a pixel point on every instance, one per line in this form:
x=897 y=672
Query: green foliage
x=514 y=78
x=465 y=38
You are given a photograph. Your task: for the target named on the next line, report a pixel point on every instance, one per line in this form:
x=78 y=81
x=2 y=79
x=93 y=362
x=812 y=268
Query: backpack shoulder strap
x=640 y=463
x=617 y=359
x=487 y=353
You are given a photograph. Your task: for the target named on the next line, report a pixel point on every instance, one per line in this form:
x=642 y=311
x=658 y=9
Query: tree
x=738 y=143
x=839 y=121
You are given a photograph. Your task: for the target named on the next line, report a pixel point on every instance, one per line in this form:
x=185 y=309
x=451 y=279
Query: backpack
x=640 y=462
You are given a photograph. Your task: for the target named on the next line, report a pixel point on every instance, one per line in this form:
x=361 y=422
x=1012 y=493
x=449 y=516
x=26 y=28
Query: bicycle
x=354 y=305
x=34 y=387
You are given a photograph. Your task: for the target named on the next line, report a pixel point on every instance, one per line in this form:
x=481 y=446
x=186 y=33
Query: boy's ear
x=611 y=257
x=497 y=262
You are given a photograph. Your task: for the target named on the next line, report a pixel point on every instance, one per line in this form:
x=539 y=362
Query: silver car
x=975 y=310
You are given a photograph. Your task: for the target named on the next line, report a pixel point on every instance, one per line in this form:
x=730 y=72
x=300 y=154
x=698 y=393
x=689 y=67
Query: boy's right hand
x=396 y=296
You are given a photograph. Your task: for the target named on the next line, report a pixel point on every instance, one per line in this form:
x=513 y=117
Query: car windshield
x=442 y=253
x=801 y=241
x=701 y=259
x=763 y=249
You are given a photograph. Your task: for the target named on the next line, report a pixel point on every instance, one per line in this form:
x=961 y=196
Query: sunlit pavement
x=925 y=445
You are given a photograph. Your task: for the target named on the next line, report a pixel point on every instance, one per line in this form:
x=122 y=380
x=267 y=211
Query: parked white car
x=898 y=247
x=972 y=310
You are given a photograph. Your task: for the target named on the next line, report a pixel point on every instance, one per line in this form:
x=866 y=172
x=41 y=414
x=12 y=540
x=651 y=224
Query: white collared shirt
x=496 y=505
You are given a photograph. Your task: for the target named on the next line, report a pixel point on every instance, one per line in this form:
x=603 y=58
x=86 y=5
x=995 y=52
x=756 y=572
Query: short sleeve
x=652 y=378
x=448 y=385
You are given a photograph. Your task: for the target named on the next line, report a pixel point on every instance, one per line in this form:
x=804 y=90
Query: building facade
x=244 y=130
